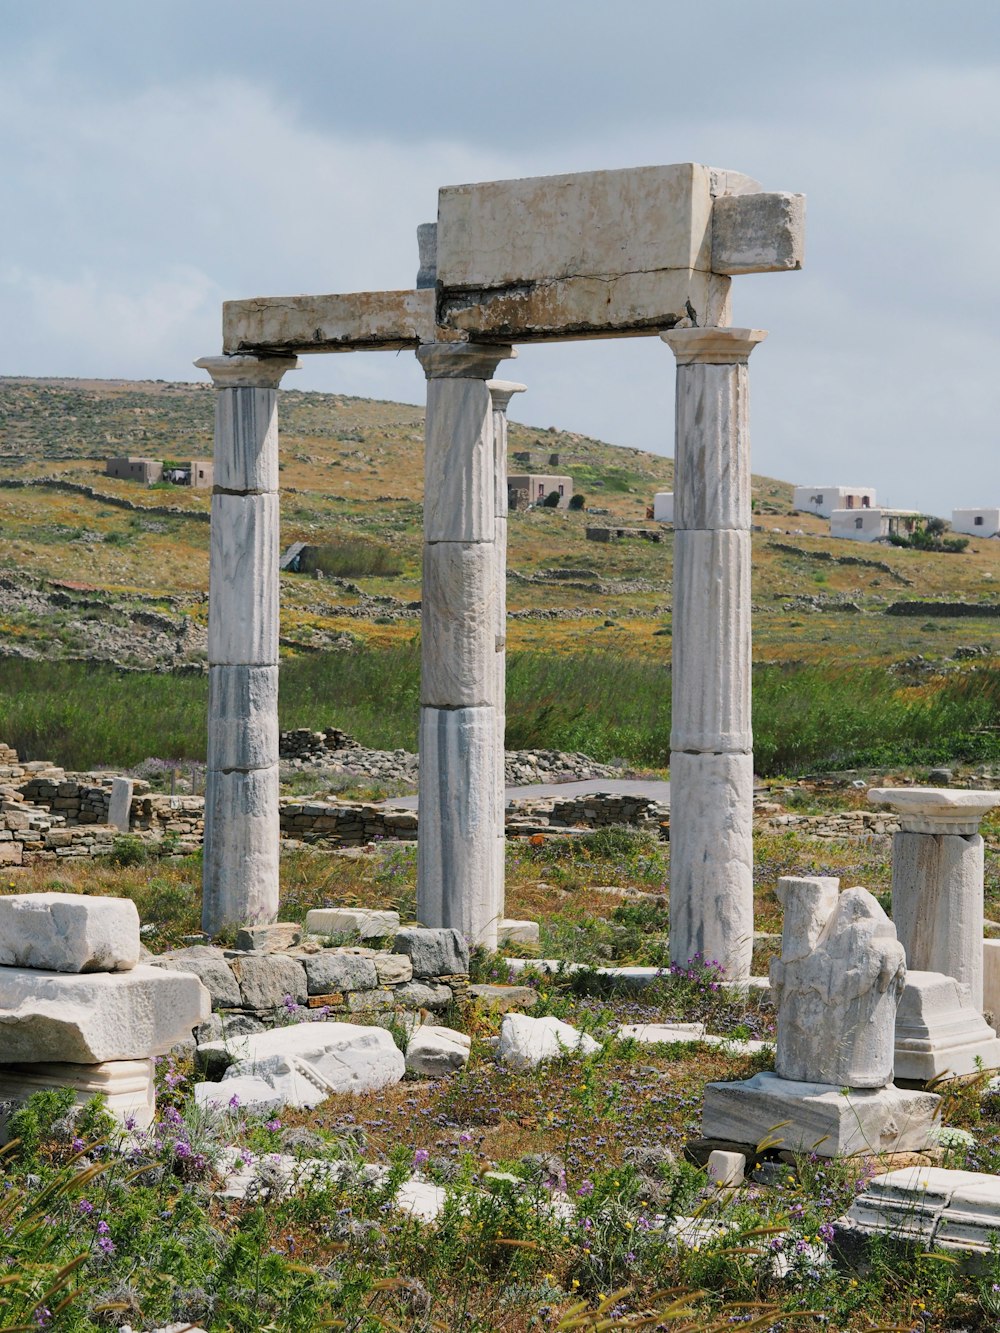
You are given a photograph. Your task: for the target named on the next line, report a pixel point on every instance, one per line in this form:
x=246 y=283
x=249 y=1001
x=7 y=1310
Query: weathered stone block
x=940 y=1032
x=242 y=717
x=526 y=1042
x=125 y=1086
x=758 y=233
x=337 y=322
x=517 y=932
x=366 y=923
x=433 y=952
x=268 y=939
x=392 y=968
x=68 y=932
x=457 y=632
x=422 y=995
x=240 y=870
x=436 y=1051
x=458 y=462
x=246 y=439
x=712 y=449
x=120 y=807
x=243 y=591
x=92 y=1017
x=334 y=971
x=209 y=965
x=266 y=979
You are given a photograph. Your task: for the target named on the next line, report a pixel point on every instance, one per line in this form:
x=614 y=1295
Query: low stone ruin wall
x=600 y=810
x=348 y=823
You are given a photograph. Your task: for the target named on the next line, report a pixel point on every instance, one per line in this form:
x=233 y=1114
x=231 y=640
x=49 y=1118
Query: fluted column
x=240 y=869
x=457 y=882
x=711 y=760
x=501 y=392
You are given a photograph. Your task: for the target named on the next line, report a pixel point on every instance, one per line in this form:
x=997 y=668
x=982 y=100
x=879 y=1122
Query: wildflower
x=182 y=1149
x=272 y=1125
x=85 y=1207
x=106 y=1245
x=234 y=1101
x=421 y=1156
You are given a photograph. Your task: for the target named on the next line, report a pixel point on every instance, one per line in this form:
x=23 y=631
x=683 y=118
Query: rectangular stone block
x=89 y=1018
x=242 y=717
x=458 y=462
x=819 y=1118
x=126 y=1087
x=991 y=979
x=457 y=627
x=240 y=869
x=940 y=1032
x=68 y=932
x=11 y=853
x=243 y=587
x=120 y=807
x=456 y=880
x=758 y=233
x=712 y=467
x=588 y=254
x=364 y=922
x=336 y=323
x=246 y=439
x=711 y=666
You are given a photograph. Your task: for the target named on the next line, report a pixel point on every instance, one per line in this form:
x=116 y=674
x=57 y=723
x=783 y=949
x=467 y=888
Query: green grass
x=351 y=558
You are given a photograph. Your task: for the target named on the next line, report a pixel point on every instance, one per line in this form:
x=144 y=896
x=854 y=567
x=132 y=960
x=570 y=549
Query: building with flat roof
x=532 y=488
x=977 y=522
x=823 y=500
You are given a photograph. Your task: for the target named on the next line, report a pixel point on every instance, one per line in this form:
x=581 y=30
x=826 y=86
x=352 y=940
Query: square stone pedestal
x=126 y=1086
x=939 y=1031
x=816 y=1117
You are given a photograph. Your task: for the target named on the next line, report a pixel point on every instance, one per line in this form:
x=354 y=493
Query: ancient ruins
x=641 y=252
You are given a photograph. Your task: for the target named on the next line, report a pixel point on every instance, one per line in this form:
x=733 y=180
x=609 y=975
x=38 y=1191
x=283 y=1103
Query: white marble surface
x=712 y=450
x=243 y=717
x=240 y=866
x=940 y=1031
x=333 y=1057
x=366 y=923
x=434 y=1051
x=120 y=805
x=758 y=233
x=243 y=583
x=92 y=1017
x=458 y=625
x=458 y=462
x=952 y=1211
x=68 y=932
x=383 y=321
x=246 y=440
x=526 y=1042
x=936 y=809
x=126 y=1086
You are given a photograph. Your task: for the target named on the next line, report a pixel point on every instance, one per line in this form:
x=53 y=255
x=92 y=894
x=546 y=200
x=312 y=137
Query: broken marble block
x=435 y=1051
x=126 y=1086
x=526 y=1042
x=68 y=932
x=363 y=922
x=818 y=1118
x=88 y=1018
x=940 y=1032
x=305 y=1063
x=510 y=932
x=440 y=952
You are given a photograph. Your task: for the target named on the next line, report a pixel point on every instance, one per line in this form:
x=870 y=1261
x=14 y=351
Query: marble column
x=711 y=761
x=501 y=392
x=240 y=869
x=457 y=882
x=937 y=879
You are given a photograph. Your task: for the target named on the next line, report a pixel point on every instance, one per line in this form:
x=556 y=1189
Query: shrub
x=577 y=501
x=351 y=558
x=551 y=501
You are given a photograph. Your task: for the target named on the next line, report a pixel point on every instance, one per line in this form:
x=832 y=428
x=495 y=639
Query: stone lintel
x=713 y=346
x=247 y=372
x=352 y=321
x=463 y=361
x=936 y=809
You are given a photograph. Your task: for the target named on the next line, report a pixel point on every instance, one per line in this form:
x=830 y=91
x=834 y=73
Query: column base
x=126 y=1086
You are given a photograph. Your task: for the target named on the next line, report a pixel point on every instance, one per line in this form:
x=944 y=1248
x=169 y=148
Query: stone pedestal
x=459 y=870
x=711 y=765
x=120 y=806
x=240 y=868
x=940 y=1032
x=937 y=879
x=126 y=1087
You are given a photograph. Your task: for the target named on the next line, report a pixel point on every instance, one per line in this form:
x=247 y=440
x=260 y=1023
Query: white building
x=823 y=500
x=872 y=525
x=663 y=507
x=976 y=522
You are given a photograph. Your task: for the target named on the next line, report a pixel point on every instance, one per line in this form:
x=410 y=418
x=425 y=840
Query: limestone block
x=243 y=583
x=436 y=1051
x=240 y=869
x=956 y=1211
x=209 y=965
x=245 y=1092
x=332 y=1057
x=758 y=233
x=242 y=717
x=363 y=922
x=502 y=998
x=68 y=932
x=268 y=939
x=331 y=970
x=92 y=1017
x=126 y=1086
x=120 y=808
x=940 y=1032
x=526 y=1042
x=603 y=252
x=427 y=249
x=726 y=1169
x=711 y=860
x=266 y=980
x=711 y=643
x=246 y=440
x=517 y=932
x=11 y=853
x=457 y=629
x=712 y=448
x=820 y=1118
x=837 y=999
x=392 y=969
x=338 y=322
x=456 y=850
x=937 y=904
x=458 y=462
x=423 y=995
x=433 y=952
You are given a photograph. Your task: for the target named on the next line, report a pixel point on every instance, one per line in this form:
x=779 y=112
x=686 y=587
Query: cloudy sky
x=158 y=158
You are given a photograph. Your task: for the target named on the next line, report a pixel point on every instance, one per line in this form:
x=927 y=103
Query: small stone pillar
x=240 y=871
x=120 y=805
x=457 y=883
x=937 y=879
x=711 y=760
x=501 y=392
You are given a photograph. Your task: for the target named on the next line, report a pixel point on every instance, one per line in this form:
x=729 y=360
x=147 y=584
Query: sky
x=159 y=158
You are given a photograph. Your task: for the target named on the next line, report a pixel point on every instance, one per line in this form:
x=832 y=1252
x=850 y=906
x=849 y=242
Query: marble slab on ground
x=820 y=1118
x=939 y=1031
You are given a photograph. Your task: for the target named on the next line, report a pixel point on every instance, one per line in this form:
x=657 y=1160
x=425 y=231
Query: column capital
x=462 y=361
x=936 y=809
x=502 y=391
x=713 y=346
x=247 y=372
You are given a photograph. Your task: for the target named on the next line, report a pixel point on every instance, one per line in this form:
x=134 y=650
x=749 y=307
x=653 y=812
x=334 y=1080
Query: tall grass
x=351 y=558
x=805 y=717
